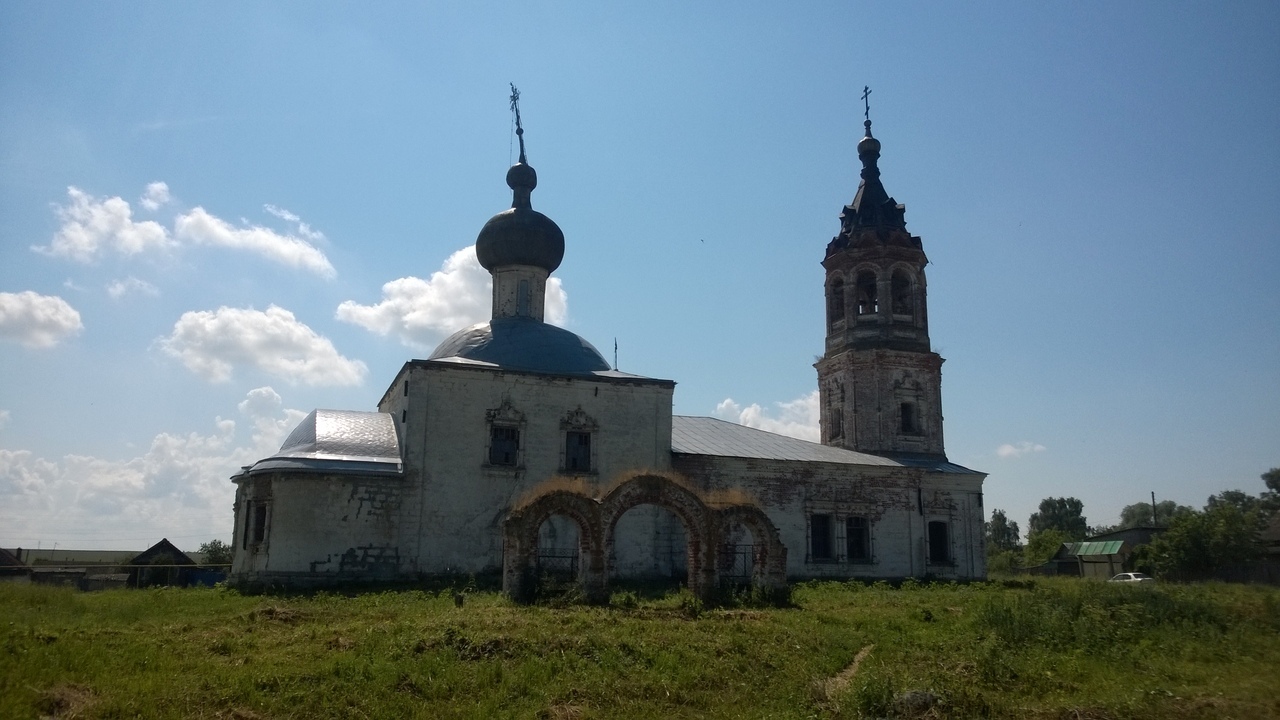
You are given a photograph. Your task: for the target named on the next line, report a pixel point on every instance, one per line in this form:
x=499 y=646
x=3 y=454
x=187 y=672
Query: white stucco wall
x=791 y=492
x=462 y=499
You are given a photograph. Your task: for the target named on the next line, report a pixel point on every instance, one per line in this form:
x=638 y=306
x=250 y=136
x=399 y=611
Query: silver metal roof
x=710 y=436
x=339 y=441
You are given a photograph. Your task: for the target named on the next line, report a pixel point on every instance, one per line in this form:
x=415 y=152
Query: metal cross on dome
x=866 y=94
x=515 y=108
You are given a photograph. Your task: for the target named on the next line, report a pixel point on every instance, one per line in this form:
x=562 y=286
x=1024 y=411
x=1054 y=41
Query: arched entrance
x=559 y=552
x=597 y=521
x=736 y=556
x=768 y=554
x=650 y=544
x=523 y=527
x=681 y=502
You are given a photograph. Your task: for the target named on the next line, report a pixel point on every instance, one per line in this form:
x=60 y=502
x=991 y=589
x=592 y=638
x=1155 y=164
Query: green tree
x=1139 y=514
x=1042 y=545
x=1270 y=500
x=1063 y=514
x=216 y=552
x=1001 y=533
x=1202 y=544
x=1242 y=501
x=1272 y=480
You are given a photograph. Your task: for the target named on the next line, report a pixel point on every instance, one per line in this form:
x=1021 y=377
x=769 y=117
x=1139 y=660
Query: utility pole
x=1153 y=508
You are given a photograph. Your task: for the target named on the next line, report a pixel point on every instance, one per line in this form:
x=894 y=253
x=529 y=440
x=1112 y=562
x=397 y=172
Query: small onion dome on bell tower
x=872 y=207
x=869 y=148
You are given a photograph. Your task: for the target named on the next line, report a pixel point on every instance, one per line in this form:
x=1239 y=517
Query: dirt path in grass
x=836 y=685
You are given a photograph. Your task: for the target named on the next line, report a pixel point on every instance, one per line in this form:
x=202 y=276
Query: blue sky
x=216 y=217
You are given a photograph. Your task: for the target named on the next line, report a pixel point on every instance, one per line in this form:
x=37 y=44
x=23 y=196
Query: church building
x=516 y=449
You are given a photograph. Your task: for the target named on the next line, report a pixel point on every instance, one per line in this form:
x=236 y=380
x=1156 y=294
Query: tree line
x=1193 y=544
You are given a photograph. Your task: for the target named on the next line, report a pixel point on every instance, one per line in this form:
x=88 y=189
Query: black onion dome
x=869 y=146
x=519 y=343
x=520 y=235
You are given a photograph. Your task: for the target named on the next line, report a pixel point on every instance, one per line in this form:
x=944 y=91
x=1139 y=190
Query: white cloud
x=212 y=343
x=37 y=321
x=200 y=227
x=119 y=288
x=421 y=312
x=797 y=418
x=5 y=417
x=304 y=229
x=1023 y=448
x=156 y=194
x=179 y=485
x=556 y=309
x=90 y=225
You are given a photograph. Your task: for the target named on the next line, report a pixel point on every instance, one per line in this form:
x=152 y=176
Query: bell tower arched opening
x=835 y=303
x=868 y=295
x=902 y=292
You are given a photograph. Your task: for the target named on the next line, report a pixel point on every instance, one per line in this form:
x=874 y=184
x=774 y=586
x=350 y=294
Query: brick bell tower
x=879 y=382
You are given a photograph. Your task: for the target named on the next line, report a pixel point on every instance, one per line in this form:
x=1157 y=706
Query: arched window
x=903 y=298
x=868 y=303
x=835 y=302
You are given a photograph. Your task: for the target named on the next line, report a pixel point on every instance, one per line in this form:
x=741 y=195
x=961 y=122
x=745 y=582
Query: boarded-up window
x=857 y=537
x=577 y=451
x=939 y=542
x=820 y=537
x=504 y=445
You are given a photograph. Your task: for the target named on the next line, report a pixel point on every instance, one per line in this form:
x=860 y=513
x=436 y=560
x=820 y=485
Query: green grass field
x=1052 y=648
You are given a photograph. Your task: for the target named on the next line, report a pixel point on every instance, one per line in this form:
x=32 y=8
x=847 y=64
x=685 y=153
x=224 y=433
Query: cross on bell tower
x=879 y=382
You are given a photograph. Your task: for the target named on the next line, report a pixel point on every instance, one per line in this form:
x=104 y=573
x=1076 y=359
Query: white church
x=515 y=448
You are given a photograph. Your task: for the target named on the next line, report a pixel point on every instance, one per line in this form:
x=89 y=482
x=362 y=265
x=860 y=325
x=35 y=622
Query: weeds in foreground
x=1044 y=648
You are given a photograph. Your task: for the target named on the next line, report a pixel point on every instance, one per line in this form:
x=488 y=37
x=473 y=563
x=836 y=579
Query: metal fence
x=737 y=563
x=558 y=562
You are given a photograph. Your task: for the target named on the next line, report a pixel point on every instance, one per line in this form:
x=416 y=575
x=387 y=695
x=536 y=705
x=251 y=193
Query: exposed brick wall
x=597 y=519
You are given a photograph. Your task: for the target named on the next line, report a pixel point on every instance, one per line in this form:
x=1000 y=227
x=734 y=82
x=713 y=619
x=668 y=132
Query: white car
x=1132 y=578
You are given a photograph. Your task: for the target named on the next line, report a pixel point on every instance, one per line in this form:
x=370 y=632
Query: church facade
x=515 y=448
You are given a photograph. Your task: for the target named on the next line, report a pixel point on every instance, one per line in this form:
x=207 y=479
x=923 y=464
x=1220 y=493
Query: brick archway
x=700 y=529
x=597 y=519
x=769 y=559
x=521 y=541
